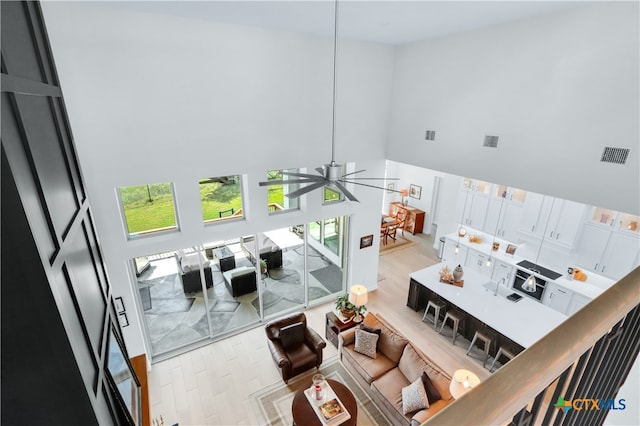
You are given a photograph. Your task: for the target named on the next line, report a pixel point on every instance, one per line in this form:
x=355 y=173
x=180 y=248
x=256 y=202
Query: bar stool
x=505 y=351
x=437 y=306
x=487 y=338
x=456 y=317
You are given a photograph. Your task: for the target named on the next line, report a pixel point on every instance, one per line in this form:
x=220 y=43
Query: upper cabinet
x=609 y=243
x=553 y=219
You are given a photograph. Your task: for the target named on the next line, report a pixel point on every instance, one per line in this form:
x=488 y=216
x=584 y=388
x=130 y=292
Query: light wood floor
x=211 y=385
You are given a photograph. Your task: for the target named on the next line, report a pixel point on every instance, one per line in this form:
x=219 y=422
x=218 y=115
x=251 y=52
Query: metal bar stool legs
x=437 y=306
x=487 y=338
x=456 y=317
x=503 y=351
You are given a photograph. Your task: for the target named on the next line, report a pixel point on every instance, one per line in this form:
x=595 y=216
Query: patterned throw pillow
x=377 y=331
x=366 y=343
x=414 y=397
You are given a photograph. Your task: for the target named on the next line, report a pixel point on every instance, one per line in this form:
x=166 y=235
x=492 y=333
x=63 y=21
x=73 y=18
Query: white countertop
x=591 y=288
x=525 y=321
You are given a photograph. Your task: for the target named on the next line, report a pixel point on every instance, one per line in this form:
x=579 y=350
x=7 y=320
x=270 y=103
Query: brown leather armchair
x=295 y=348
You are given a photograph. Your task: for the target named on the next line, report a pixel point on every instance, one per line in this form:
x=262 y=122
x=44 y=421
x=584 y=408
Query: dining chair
x=392 y=231
x=383 y=235
x=401 y=218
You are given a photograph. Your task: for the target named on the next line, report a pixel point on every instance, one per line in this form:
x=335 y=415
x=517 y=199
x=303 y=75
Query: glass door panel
x=325 y=261
x=234 y=301
x=282 y=259
x=170 y=289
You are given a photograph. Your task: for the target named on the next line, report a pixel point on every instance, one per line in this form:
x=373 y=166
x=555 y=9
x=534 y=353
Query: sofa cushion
x=414 y=397
x=292 y=334
x=411 y=364
x=389 y=388
x=432 y=392
x=391 y=344
x=368 y=368
x=366 y=343
x=189 y=262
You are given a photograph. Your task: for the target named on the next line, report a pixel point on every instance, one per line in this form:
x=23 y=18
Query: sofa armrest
x=278 y=354
x=314 y=339
x=347 y=337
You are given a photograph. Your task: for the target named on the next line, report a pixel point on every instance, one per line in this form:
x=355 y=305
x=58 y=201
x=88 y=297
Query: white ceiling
x=393 y=22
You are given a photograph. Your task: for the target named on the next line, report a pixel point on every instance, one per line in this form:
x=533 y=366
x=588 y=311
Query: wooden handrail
x=512 y=387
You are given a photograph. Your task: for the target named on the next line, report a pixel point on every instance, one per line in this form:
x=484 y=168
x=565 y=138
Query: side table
x=333 y=327
x=225 y=257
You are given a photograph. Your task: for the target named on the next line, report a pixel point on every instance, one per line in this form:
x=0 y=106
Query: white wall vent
x=430 y=135
x=614 y=155
x=490 y=141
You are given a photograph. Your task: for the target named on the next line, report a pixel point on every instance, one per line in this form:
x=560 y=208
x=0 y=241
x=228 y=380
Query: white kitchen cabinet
x=556 y=297
x=554 y=219
x=503 y=270
x=577 y=302
x=503 y=218
x=591 y=247
x=472 y=209
x=477 y=261
x=565 y=220
x=621 y=255
x=530 y=222
x=450 y=257
x=606 y=251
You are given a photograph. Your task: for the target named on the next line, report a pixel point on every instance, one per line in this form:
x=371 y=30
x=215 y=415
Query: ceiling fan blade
x=353 y=173
x=301 y=191
x=344 y=190
x=355 y=178
x=370 y=186
x=299 y=174
x=282 y=182
x=320 y=170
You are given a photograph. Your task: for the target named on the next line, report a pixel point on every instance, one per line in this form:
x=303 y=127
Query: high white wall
x=155 y=98
x=556 y=89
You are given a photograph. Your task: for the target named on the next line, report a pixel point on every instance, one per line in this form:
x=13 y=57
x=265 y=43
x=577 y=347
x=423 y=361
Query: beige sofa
x=397 y=364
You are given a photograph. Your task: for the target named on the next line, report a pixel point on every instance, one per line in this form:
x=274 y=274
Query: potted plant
x=346 y=308
x=263 y=266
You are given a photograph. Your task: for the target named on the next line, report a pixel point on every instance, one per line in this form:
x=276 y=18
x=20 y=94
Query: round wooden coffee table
x=304 y=414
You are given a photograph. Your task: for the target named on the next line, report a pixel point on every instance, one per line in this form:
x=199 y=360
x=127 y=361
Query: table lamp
x=358 y=297
x=404 y=193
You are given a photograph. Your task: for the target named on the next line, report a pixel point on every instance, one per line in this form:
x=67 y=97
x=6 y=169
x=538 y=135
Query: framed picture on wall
x=415 y=191
x=366 y=241
x=390 y=188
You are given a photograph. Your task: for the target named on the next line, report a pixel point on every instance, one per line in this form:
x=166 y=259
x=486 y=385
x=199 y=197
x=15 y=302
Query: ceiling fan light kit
x=331 y=174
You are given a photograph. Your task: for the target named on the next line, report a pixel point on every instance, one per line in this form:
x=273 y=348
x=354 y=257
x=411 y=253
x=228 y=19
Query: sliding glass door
x=192 y=295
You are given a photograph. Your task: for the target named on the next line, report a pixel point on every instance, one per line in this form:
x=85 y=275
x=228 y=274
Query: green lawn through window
x=148 y=207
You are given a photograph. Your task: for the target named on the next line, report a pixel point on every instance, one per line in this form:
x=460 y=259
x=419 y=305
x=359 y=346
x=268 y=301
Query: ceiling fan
x=330 y=175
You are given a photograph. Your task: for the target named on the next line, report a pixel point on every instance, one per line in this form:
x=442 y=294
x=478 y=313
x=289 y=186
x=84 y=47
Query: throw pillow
x=414 y=397
x=292 y=334
x=432 y=392
x=366 y=343
x=377 y=331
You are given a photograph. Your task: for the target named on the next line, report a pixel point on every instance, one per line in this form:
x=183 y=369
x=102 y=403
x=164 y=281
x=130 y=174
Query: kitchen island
x=523 y=322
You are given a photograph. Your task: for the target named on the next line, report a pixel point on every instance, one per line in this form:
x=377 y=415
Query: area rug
x=399 y=243
x=273 y=403
x=330 y=276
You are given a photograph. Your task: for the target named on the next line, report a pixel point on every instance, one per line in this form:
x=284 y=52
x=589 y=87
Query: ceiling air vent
x=490 y=141
x=614 y=155
x=430 y=135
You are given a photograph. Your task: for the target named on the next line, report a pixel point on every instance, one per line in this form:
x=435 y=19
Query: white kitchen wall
x=556 y=89
x=155 y=98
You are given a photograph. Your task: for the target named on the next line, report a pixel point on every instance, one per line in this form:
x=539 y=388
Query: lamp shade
x=358 y=295
x=404 y=192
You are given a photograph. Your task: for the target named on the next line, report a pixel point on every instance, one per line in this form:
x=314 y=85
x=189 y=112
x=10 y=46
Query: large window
x=332 y=196
x=148 y=208
x=221 y=198
x=276 y=199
